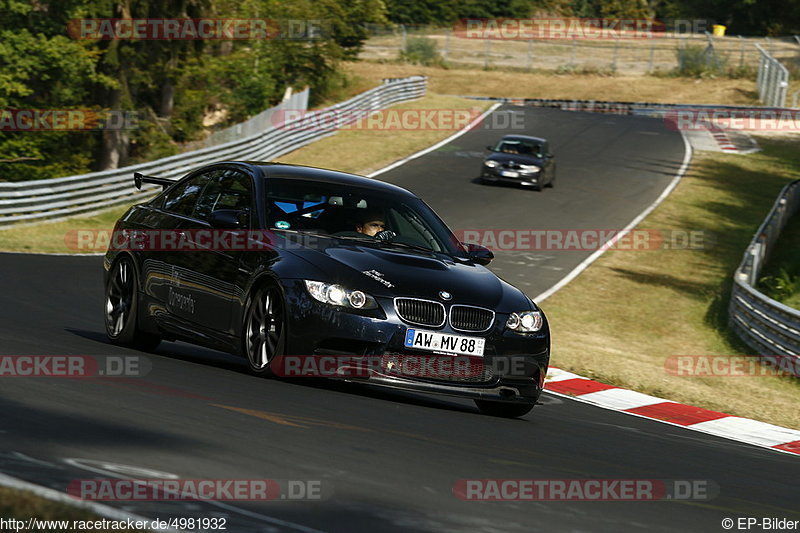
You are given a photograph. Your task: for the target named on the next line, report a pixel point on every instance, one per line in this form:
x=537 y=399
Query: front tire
x=264 y=334
x=504 y=409
x=121 y=308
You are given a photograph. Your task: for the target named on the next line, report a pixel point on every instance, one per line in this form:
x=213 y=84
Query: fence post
x=772 y=80
x=652 y=54
x=572 y=52
x=446 y=45
x=487 y=46
x=616 y=55
x=530 y=54
x=403 y=41
x=741 y=52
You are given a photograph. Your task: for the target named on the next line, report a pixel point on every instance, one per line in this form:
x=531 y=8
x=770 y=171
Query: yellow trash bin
x=718 y=30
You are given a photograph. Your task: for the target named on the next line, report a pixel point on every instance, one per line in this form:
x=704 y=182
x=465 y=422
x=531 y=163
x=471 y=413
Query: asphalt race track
x=387 y=461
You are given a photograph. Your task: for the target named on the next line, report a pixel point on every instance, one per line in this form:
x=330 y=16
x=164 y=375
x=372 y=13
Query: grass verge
x=504 y=83
x=352 y=150
x=622 y=318
x=23 y=505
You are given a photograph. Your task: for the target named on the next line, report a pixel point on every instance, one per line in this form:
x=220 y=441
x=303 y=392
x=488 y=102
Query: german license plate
x=434 y=341
x=509 y=174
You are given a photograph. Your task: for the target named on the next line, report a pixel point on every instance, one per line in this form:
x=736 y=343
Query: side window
x=181 y=199
x=229 y=189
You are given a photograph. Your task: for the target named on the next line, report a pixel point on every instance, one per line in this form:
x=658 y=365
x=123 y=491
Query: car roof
x=523 y=138
x=322 y=175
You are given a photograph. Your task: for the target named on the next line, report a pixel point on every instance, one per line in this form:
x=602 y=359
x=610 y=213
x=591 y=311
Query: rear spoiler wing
x=139 y=179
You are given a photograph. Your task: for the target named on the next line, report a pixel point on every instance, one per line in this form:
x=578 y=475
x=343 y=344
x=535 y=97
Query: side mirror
x=479 y=254
x=225 y=219
x=490 y=148
x=549 y=156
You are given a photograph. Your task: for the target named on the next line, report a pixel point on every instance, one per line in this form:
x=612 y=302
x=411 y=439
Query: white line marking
x=693 y=427
x=453 y=137
x=264 y=518
x=752 y=430
x=687 y=158
x=31 y=459
x=56 y=254
x=621 y=398
x=56 y=496
x=556 y=374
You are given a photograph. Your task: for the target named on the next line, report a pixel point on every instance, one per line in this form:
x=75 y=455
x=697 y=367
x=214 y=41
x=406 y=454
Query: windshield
x=519 y=146
x=348 y=212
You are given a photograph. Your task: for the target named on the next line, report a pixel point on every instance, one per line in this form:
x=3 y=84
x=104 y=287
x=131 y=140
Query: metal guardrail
x=653 y=109
x=772 y=80
x=767 y=326
x=62 y=197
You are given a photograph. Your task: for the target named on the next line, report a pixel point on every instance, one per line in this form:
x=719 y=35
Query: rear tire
x=121 y=308
x=504 y=409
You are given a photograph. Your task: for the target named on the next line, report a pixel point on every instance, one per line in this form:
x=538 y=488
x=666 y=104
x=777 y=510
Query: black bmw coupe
x=274 y=262
x=520 y=160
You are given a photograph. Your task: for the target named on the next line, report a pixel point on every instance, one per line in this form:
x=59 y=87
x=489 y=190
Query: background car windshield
x=338 y=210
x=519 y=146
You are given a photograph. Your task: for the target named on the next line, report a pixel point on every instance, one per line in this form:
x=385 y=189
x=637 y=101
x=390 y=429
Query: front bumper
x=523 y=178
x=515 y=364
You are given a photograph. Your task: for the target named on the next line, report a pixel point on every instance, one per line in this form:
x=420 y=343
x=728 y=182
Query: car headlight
x=333 y=294
x=530 y=168
x=525 y=321
x=491 y=163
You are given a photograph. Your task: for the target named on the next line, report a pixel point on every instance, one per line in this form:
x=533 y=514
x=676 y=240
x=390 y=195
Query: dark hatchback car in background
x=522 y=160
x=314 y=285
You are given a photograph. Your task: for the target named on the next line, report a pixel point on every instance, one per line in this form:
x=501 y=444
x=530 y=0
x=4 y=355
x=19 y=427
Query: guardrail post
x=530 y=54
x=741 y=51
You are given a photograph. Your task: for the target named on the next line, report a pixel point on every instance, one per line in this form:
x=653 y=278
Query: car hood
x=519 y=159
x=391 y=272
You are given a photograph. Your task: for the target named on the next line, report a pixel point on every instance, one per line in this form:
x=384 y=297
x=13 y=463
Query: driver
x=371 y=223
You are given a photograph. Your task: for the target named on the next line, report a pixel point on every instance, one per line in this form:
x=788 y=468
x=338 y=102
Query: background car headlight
x=530 y=168
x=333 y=294
x=525 y=321
x=491 y=163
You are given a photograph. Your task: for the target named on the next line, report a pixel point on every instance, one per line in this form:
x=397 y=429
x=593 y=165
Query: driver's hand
x=386 y=235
